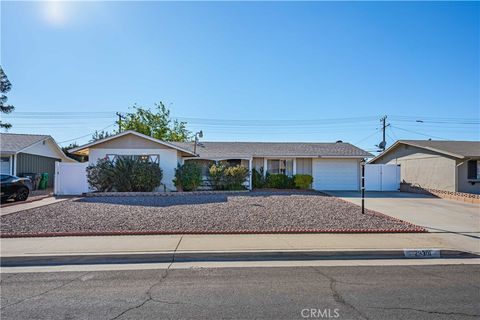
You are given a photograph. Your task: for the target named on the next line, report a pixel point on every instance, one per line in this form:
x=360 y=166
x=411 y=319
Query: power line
x=87 y=135
x=369 y=136
x=393 y=132
x=419 y=133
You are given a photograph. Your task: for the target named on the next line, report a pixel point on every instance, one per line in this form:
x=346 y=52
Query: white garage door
x=335 y=174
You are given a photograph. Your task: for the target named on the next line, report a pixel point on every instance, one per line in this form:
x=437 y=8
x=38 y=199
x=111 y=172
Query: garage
x=336 y=174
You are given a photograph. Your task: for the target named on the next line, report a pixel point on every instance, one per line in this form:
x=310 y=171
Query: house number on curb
x=421 y=253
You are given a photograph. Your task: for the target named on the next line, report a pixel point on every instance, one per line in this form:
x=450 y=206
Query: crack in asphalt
x=149 y=297
x=427 y=311
x=45 y=292
x=337 y=295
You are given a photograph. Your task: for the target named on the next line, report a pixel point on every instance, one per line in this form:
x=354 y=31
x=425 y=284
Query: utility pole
x=362 y=163
x=120 y=117
x=383 y=143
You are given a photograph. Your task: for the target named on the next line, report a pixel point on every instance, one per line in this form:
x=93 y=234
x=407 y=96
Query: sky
x=247 y=71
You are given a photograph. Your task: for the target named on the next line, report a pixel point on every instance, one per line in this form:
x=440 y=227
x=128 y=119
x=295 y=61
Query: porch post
x=250 y=168
x=294 y=171
x=264 y=167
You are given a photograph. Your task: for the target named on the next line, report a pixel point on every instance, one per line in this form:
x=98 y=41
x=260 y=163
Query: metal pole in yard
x=363 y=185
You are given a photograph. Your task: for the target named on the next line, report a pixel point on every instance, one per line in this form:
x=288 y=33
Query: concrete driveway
x=457 y=223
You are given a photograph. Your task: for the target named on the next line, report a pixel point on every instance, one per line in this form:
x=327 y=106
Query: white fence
x=70 y=178
x=382 y=177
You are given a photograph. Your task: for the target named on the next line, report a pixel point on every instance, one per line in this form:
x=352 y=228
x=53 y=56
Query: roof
x=121 y=134
x=457 y=149
x=232 y=150
x=13 y=143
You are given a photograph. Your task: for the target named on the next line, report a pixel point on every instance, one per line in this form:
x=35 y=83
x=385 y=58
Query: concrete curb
x=203 y=256
x=153 y=232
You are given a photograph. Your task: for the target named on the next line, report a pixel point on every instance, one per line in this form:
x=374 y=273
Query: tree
x=98 y=135
x=156 y=123
x=5 y=87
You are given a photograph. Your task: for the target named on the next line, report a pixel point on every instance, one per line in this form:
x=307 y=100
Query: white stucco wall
x=168 y=160
x=423 y=168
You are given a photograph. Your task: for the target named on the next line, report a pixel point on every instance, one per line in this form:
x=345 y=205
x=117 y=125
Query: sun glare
x=55 y=12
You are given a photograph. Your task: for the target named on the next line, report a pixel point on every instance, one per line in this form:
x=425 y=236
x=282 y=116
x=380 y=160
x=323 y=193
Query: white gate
x=382 y=177
x=70 y=178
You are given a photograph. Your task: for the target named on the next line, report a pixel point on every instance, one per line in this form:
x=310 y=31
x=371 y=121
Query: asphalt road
x=373 y=292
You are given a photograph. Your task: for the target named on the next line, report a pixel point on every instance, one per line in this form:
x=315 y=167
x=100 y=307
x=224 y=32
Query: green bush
x=235 y=176
x=258 y=180
x=100 y=175
x=279 y=181
x=302 y=181
x=227 y=177
x=124 y=175
x=216 y=174
x=188 y=177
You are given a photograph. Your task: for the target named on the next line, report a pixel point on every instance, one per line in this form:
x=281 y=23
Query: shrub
x=100 y=175
x=258 y=180
x=227 y=177
x=279 y=181
x=235 y=176
x=216 y=174
x=146 y=176
x=188 y=177
x=125 y=175
x=302 y=181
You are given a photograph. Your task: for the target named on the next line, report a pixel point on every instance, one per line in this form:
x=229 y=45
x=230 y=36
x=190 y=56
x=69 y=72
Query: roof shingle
x=460 y=148
x=13 y=142
x=232 y=150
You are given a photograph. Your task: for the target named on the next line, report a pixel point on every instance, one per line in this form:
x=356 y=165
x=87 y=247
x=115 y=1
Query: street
x=312 y=292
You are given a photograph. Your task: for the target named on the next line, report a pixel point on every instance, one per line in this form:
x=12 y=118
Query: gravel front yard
x=252 y=212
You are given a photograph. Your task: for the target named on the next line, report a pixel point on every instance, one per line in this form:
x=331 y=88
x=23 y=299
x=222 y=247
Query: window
x=284 y=166
x=152 y=158
x=473 y=169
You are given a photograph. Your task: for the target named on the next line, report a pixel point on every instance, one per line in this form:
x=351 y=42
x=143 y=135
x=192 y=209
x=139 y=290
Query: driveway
x=456 y=222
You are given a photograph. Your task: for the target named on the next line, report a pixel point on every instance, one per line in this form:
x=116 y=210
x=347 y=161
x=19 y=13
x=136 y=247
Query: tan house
x=441 y=165
x=333 y=165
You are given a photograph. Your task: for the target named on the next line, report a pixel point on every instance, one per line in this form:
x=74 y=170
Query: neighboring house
x=441 y=165
x=334 y=166
x=22 y=154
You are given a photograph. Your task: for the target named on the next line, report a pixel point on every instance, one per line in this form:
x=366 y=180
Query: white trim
x=265 y=163
x=216 y=159
x=14 y=170
x=121 y=134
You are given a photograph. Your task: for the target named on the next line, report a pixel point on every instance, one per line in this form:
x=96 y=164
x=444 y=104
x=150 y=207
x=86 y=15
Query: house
x=440 y=165
x=22 y=154
x=334 y=166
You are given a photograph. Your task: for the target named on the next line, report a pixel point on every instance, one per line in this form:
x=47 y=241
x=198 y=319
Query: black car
x=13 y=187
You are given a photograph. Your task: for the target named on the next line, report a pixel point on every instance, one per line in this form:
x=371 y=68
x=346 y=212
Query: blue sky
x=291 y=67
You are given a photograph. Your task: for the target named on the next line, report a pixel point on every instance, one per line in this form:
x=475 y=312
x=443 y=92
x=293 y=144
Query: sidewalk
x=217 y=243
x=30 y=204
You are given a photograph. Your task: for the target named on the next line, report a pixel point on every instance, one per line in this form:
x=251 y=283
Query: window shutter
x=472 y=169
